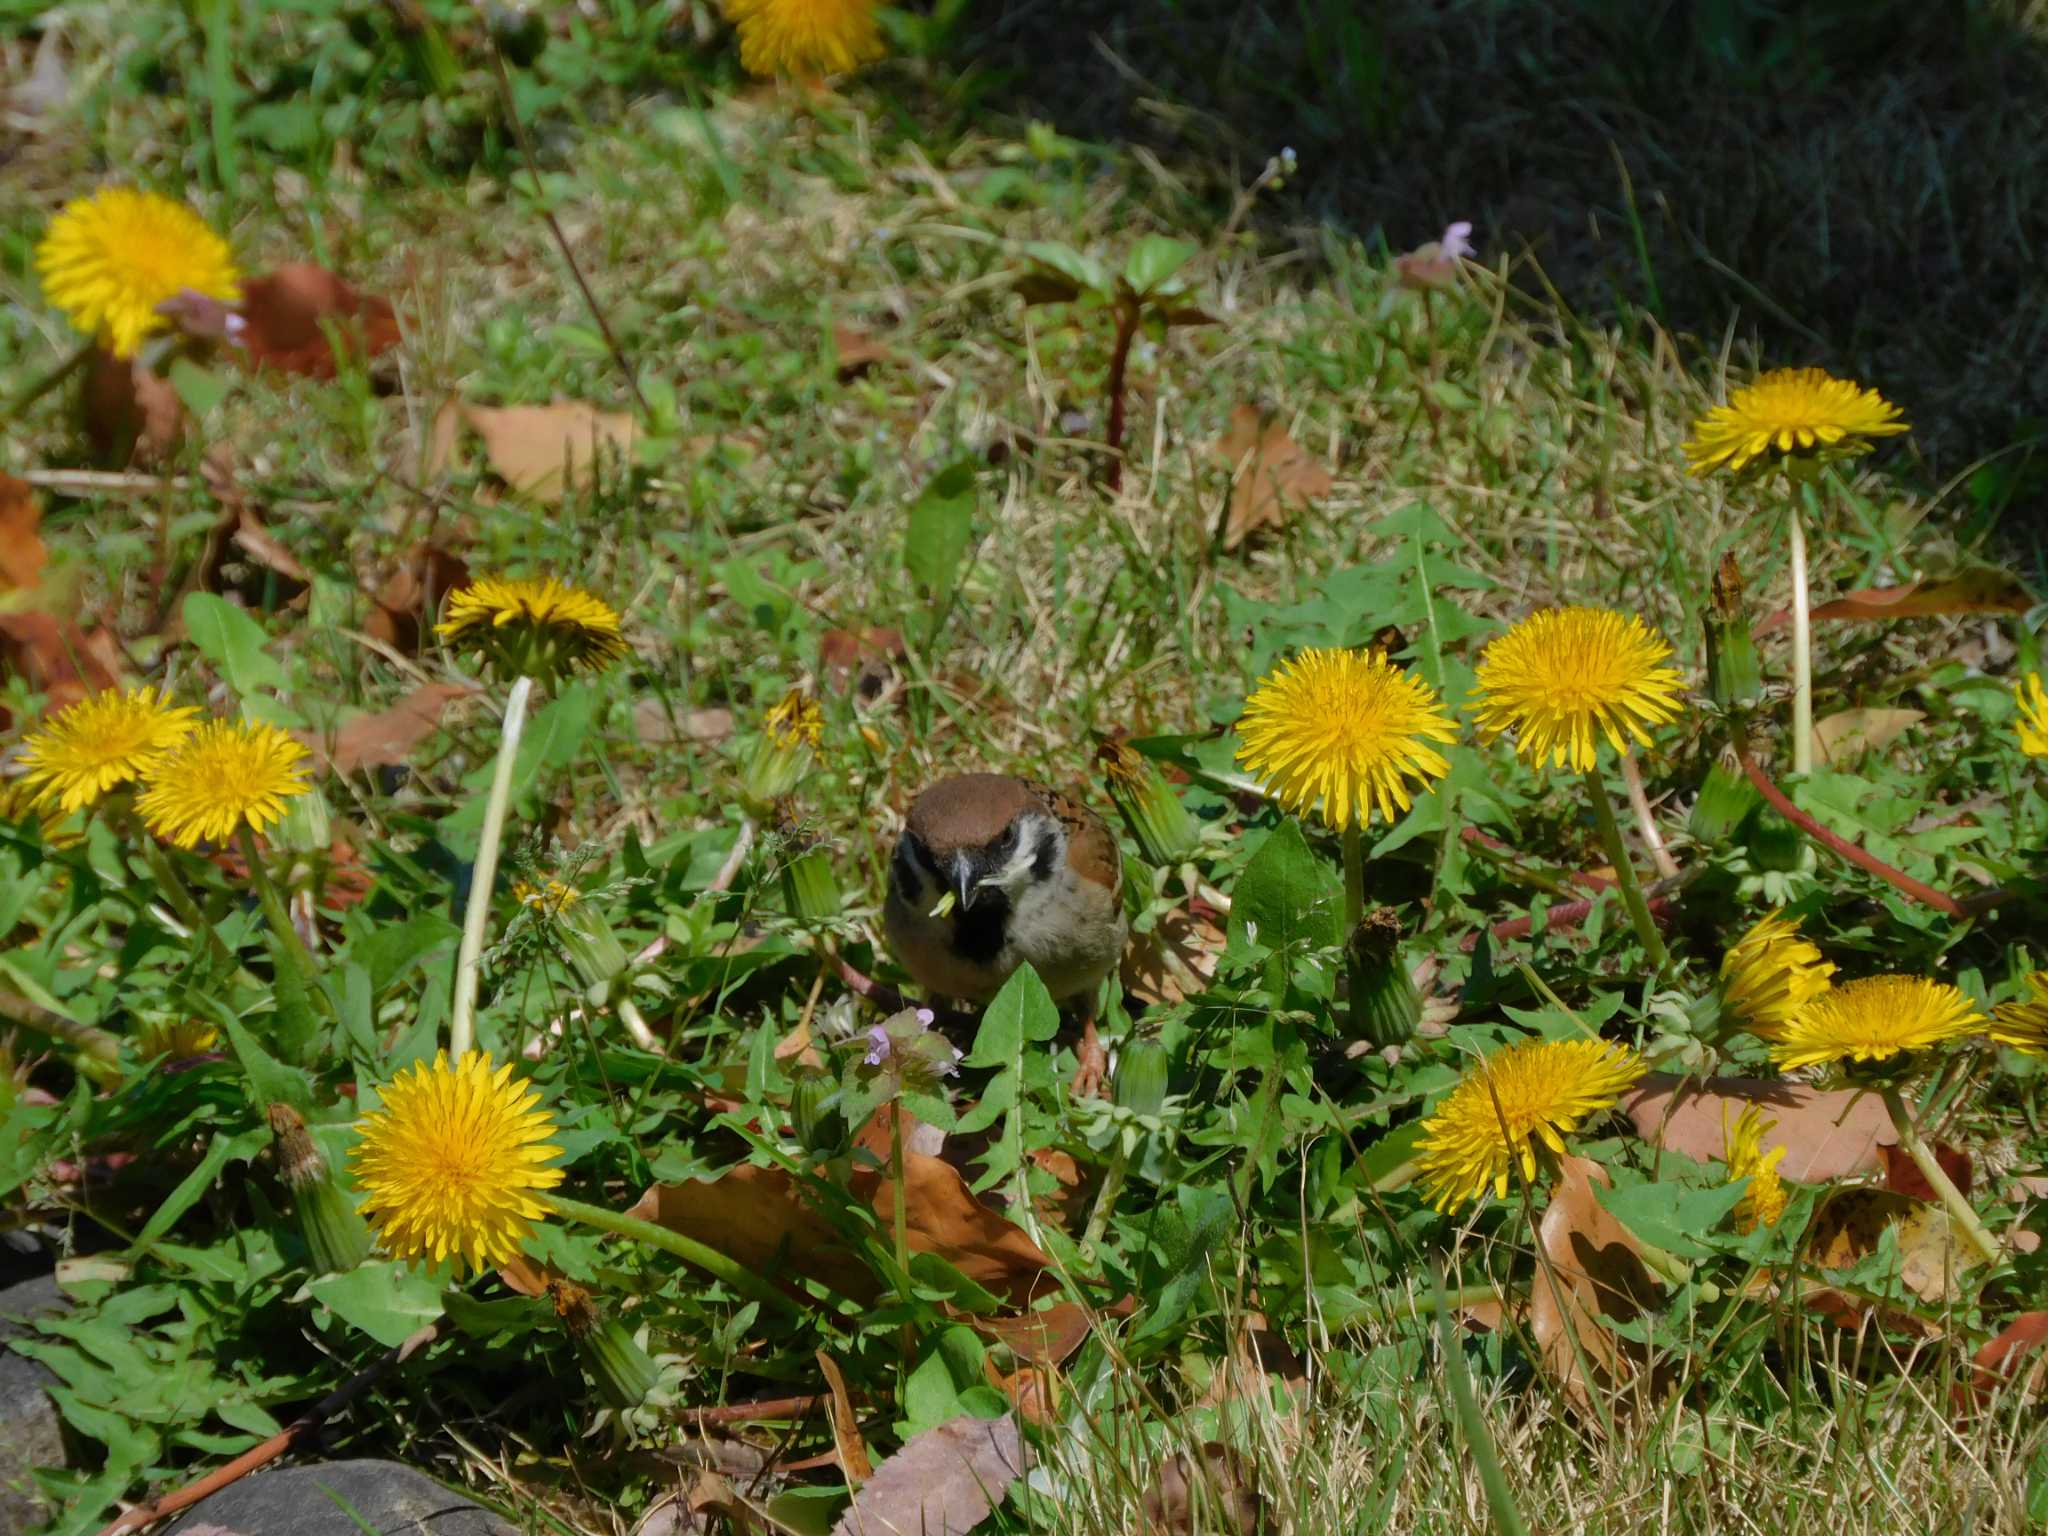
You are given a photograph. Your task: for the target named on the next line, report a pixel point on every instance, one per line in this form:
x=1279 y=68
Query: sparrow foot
x=1093 y=1071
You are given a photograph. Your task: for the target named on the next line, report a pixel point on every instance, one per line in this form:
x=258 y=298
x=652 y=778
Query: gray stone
x=31 y=1432
x=392 y=1500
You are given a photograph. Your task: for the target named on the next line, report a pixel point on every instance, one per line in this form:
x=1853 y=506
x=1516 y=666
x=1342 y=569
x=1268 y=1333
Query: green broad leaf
x=1150 y=267
x=506 y=1315
x=1672 y=1217
x=941 y=529
x=1392 y=1153
x=1286 y=897
x=233 y=642
x=937 y=1280
x=1022 y=1011
x=389 y=953
x=951 y=1366
x=199 y=388
x=1084 y=272
x=384 y=1298
x=221 y=1151
x=270 y=1080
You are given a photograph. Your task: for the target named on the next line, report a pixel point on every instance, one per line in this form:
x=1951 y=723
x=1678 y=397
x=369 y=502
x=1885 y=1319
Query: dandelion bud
x=819 y=1125
x=1388 y=1006
x=593 y=950
x=1726 y=799
x=337 y=1238
x=1166 y=832
x=782 y=753
x=1141 y=1077
x=1734 y=676
x=810 y=887
x=617 y=1366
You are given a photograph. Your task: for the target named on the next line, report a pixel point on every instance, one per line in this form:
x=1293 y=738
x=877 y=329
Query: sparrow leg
x=1093 y=1071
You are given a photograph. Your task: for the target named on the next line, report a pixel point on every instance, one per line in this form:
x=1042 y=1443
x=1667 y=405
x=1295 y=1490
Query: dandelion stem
x=99 y=1052
x=1960 y=1211
x=1354 y=914
x=1802 y=649
x=1105 y=1197
x=483 y=875
x=279 y=916
x=715 y=1264
x=1625 y=872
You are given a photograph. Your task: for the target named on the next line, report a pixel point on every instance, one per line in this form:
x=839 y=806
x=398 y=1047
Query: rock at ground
x=325 y=1499
x=31 y=1432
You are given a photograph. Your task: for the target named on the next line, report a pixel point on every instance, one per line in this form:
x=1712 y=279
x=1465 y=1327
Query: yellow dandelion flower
x=227 y=775
x=1764 y=1201
x=21 y=804
x=1343 y=733
x=1874 y=1019
x=1791 y=412
x=1521 y=1100
x=1772 y=973
x=795 y=721
x=805 y=37
x=450 y=1164
x=550 y=899
x=100 y=743
x=180 y=1039
x=2024 y=1026
x=1563 y=674
x=533 y=628
x=2032 y=699
x=108 y=260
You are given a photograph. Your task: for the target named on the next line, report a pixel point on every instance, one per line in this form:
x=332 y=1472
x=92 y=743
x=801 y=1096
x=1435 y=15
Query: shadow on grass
x=1856 y=183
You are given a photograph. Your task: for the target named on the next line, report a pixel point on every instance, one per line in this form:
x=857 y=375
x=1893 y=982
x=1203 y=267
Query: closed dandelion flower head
x=108 y=260
x=1564 y=677
x=550 y=899
x=1772 y=973
x=805 y=37
x=1874 y=1020
x=179 y=1039
x=1791 y=413
x=2032 y=698
x=1512 y=1108
x=100 y=743
x=452 y=1163
x=795 y=721
x=2024 y=1026
x=226 y=775
x=1345 y=733
x=533 y=628
x=1764 y=1201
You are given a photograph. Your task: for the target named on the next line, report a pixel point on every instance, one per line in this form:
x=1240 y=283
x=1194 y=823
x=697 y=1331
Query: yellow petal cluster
x=1764 y=1201
x=539 y=628
x=1771 y=974
x=1345 y=734
x=100 y=743
x=451 y=1164
x=1517 y=1103
x=1874 y=1020
x=805 y=37
x=2032 y=698
x=224 y=776
x=1791 y=412
x=2024 y=1026
x=107 y=261
x=1565 y=677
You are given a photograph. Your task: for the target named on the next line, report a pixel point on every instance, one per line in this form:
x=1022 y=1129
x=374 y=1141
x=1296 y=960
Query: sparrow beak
x=966 y=880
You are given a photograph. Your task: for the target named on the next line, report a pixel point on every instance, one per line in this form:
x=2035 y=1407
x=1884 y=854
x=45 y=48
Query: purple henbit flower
x=1457 y=241
x=880 y=1046
x=926 y=1017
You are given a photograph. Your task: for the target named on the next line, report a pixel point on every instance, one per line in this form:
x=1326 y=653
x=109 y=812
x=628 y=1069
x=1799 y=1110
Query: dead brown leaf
x=1826 y=1135
x=851 y=1450
x=543 y=451
x=1176 y=959
x=943 y=1482
x=763 y=1218
x=1185 y=1500
x=862 y=661
x=1982 y=591
x=288 y=316
x=386 y=738
x=128 y=414
x=409 y=594
x=240 y=530
x=57 y=657
x=1999 y=1362
x=1594 y=1272
x=1903 y=1175
x=1272 y=475
x=1843 y=737
x=22 y=555
x=857 y=351
x=1851 y=1225
x=654 y=722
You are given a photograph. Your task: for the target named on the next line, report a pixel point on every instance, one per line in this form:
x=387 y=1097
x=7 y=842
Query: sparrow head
x=976 y=835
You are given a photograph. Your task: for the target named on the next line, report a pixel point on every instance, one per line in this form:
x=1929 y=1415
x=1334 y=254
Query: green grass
x=1492 y=452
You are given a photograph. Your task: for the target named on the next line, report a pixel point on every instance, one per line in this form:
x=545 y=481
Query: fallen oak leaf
x=1847 y=735
x=857 y=352
x=1981 y=591
x=1998 y=1363
x=1271 y=475
x=848 y=1448
x=293 y=317
x=1183 y=1500
x=409 y=596
x=22 y=552
x=1826 y=1134
x=386 y=738
x=1593 y=1271
x=943 y=1482
x=542 y=451
x=1903 y=1175
x=128 y=415
x=58 y=658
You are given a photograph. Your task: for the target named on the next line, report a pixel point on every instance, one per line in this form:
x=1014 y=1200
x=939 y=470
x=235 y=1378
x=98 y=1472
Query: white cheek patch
x=1031 y=843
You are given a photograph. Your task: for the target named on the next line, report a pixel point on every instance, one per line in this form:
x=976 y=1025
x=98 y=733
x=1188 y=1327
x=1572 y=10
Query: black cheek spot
x=1047 y=855
x=903 y=875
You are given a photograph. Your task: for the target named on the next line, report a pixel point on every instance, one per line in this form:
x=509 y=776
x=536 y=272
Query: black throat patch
x=978 y=930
